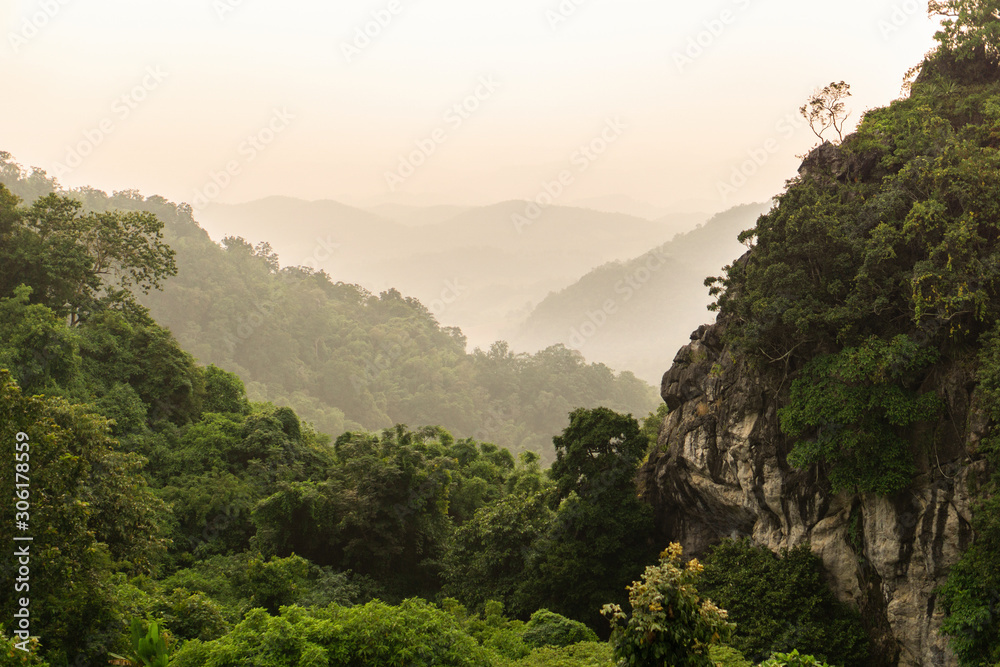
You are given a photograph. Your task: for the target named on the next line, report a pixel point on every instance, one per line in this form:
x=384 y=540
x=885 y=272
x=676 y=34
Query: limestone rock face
x=721 y=471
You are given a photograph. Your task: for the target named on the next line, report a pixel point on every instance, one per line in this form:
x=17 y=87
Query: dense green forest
x=343 y=358
x=181 y=517
x=182 y=514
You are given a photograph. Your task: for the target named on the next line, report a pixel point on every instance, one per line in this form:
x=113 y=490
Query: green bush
x=11 y=656
x=781 y=602
x=846 y=410
x=548 y=629
x=727 y=656
x=415 y=634
x=792 y=659
x=670 y=622
x=585 y=654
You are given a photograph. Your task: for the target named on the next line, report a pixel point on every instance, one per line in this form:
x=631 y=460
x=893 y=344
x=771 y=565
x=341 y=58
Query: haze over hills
x=635 y=314
x=476 y=268
x=417 y=216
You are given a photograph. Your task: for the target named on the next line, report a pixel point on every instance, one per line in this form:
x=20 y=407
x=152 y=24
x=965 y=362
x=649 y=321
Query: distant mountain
x=474 y=268
x=416 y=216
x=635 y=314
x=622 y=204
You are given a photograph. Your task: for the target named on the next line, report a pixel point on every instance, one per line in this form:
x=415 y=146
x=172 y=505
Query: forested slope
x=345 y=358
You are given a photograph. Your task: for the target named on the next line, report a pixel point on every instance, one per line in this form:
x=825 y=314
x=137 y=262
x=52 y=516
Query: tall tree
x=80 y=260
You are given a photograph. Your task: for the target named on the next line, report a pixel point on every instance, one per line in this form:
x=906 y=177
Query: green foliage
x=80 y=262
x=792 y=659
x=727 y=656
x=652 y=424
x=969 y=27
x=200 y=601
x=854 y=404
x=91 y=513
x=37 y=348
x=343 y=358
x=149 y=646
x=598 y=539
x=587 y=654
x=192 y=615
x=671 y=624
x=587 y=556
x=414 y=633
x=12 y=656
x=781 y=602
x=488 y=555
x=224 y=392
x=386 y=509
x=971 y=596
x=548 y=629
x=599 y=450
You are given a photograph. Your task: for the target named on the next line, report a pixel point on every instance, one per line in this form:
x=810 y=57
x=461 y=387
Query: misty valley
x=562 y=428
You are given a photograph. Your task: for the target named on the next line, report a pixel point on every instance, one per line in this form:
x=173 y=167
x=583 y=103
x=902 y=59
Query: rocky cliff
x=721 y=471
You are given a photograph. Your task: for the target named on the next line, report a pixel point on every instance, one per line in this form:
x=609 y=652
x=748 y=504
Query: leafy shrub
x=548 y=629
x=792 y=659
x=727 y=656
x=670 y=623
x=585 y=654
x=853 y=404
x=11 y=656
x=415 y=633
x=781 y=602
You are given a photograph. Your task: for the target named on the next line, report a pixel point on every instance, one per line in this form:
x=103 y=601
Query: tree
x=969 y=27
x=598 y=538
x=671 y=624
x=826 y=110
x=598 y=451
x=488 y=553
x=88 y=508
x=122 y=250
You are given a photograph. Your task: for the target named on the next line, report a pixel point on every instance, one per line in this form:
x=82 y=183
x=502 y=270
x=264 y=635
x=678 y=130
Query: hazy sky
x=482 y=101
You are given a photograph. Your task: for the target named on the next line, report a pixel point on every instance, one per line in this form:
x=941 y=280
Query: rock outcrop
x=721 y=471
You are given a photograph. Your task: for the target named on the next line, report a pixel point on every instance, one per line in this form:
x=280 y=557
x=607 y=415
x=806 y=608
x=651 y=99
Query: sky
x=688 y=106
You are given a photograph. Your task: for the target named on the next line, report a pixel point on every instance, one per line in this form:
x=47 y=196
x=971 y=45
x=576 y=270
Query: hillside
x=631 y=314
x=474 y=268
x=847 y=397
x=343 y=357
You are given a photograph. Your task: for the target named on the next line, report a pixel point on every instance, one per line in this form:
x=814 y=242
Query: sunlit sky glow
x=229 y=65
